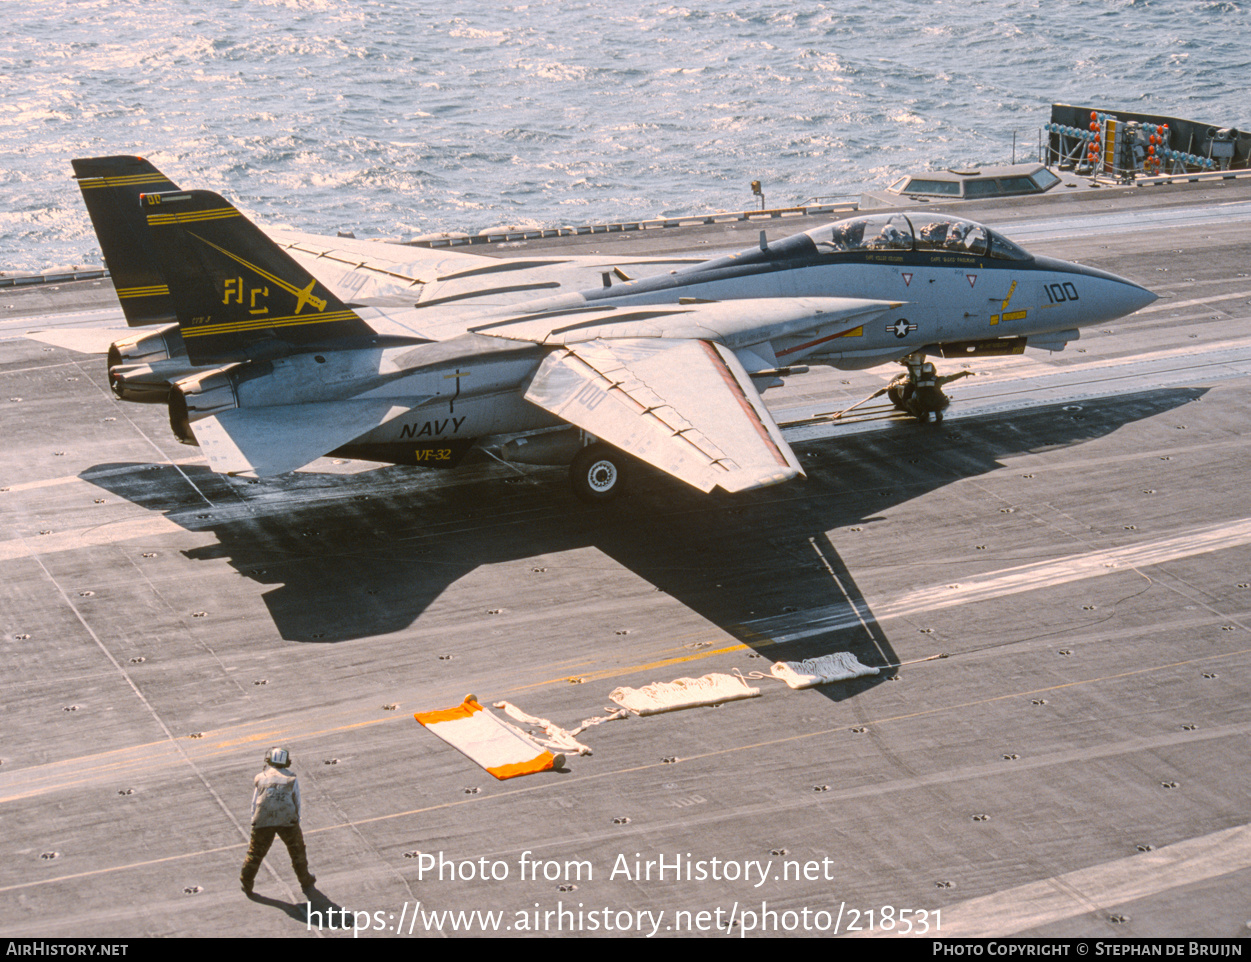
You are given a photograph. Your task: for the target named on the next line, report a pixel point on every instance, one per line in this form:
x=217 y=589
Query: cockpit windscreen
x=898 y=232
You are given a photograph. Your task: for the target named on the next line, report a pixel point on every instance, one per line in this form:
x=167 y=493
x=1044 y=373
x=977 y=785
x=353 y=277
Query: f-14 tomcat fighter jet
x=297 y=346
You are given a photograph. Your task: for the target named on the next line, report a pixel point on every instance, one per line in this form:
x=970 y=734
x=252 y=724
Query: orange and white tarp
x=495 y=745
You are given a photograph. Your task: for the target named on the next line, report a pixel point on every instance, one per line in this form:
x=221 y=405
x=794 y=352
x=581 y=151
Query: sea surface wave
x=395 y=119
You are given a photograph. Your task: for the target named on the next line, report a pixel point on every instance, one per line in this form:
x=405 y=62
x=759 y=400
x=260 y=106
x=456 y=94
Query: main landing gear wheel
x=598 y=473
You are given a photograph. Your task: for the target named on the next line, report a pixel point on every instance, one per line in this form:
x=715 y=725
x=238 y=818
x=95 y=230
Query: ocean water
x=395 y=119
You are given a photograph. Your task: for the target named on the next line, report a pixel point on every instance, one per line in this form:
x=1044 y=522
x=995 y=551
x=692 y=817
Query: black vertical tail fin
x=237 y=294
x=111 y=187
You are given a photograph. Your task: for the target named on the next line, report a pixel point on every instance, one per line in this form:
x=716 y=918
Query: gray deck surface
x=1061 y=571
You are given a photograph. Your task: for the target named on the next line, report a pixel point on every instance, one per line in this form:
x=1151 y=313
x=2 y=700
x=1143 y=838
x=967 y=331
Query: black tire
x=598 y=473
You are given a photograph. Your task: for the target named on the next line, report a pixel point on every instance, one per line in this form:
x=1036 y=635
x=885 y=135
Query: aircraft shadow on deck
x=371 y=560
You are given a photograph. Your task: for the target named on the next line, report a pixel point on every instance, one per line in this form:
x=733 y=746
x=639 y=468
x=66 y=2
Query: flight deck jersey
x=275 y=799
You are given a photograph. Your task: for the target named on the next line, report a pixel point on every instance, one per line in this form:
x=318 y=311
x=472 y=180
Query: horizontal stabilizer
x=685 y=406
x=86 y=340
x=256 y=442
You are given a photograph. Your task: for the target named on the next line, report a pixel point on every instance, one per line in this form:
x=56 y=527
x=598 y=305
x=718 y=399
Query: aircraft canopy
x=920 y=232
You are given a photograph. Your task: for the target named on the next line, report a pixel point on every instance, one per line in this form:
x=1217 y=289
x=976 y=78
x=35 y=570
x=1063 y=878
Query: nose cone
x=1111 y=297
x=1104 y=296
x=1136 y=298
x=1115 y=297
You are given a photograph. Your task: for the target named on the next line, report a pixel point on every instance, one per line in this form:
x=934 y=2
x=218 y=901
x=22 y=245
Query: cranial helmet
x=278 y=757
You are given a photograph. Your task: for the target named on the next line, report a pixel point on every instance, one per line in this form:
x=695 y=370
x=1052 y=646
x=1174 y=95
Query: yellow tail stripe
x=263 y=323
x=88 y=183
x=219 y=213
x=143 y=291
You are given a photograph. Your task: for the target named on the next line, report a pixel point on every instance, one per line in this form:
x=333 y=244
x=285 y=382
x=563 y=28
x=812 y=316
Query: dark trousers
x=263 y=838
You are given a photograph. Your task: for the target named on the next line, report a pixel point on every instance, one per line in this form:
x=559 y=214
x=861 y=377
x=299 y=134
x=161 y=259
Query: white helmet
x=278 y=757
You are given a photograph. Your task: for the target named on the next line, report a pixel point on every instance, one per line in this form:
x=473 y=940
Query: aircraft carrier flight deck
x=1055 y=583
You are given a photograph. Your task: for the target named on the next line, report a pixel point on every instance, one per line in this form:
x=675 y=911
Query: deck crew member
x=276 y=811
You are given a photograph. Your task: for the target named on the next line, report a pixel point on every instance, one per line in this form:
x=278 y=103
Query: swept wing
x=454 y=281
x=685 y=406
x=736 y=323
x=261 y=441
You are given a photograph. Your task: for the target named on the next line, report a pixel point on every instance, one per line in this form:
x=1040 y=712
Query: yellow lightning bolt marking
x=1011 y=291
x=302 y=297
x=994 y=318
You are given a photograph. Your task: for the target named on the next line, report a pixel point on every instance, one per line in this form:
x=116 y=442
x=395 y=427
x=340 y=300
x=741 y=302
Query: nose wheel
x=598 y=473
